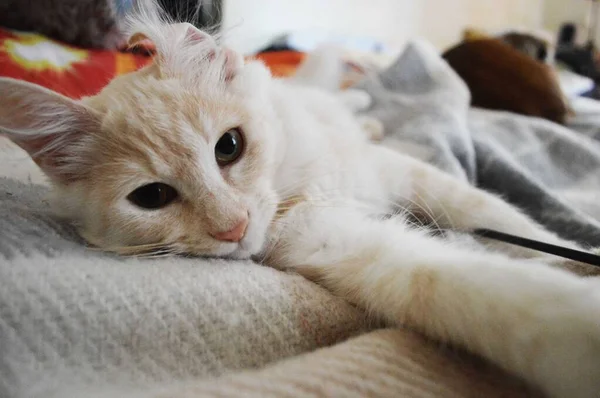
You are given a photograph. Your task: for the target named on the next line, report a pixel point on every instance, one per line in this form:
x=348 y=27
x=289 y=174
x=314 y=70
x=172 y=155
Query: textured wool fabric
x=77 y=315
x=384 y=363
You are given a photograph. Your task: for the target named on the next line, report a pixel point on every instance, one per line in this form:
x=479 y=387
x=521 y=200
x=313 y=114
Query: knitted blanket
x=384 y=363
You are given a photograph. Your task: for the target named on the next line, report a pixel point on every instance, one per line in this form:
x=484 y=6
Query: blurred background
x=372 y=33
x=252 y=24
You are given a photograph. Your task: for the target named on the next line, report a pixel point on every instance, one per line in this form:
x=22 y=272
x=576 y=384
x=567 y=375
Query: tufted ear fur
x=163 y=40
x=183 y=32
x=50 y=127
x=181 y=47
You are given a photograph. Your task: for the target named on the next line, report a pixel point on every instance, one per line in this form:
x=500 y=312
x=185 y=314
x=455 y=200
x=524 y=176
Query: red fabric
x=282 y=63
x=72 y=71
x=78 y=72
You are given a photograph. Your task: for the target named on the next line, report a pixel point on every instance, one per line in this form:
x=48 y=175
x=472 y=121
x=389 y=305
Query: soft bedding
x=73 y=320
x=550 y=171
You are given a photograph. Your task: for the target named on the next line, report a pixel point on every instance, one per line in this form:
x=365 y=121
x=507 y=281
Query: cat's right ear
x=47 y=125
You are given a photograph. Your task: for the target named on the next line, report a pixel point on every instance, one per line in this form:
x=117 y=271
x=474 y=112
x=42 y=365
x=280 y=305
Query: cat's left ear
x=47 y=125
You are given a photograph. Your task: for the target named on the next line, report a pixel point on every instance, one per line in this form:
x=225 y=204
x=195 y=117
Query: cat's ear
x=140 y=41
x=48 y=126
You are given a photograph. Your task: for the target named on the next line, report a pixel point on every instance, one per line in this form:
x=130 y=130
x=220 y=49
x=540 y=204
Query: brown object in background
x=502 y=78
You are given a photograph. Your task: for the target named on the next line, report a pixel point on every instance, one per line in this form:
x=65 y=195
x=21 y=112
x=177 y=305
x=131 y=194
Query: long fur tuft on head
x=180 y=47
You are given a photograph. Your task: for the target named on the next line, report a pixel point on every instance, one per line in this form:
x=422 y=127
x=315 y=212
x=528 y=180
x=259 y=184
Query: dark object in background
x=200 y=13
x=527 y=44
x=84 y=23
x=580 y=59
x=502 y=78
x=566 y=35
x=95 y=23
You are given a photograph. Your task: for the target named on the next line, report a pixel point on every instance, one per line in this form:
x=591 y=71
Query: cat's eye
x=153 y=196
x=229 y=147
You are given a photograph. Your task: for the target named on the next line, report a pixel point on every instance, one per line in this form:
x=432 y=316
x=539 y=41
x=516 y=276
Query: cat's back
x=317 y=113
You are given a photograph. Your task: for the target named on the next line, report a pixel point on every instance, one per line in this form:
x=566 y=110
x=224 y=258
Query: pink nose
x=235 y=234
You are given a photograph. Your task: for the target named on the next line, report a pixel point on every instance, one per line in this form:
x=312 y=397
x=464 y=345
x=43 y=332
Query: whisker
x=444 y=211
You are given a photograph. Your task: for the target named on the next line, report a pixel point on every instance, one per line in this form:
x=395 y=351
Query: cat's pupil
x=229 y=147
x=153 y=196
x=227 y=144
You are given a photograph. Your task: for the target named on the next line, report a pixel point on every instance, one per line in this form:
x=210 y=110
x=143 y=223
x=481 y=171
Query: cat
x=206 y=154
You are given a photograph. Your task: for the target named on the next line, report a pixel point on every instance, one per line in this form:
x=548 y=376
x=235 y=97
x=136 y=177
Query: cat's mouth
x=250 y=245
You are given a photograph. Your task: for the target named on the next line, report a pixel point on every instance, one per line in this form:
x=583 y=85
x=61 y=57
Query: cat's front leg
x=454 y=203
x=535 y=321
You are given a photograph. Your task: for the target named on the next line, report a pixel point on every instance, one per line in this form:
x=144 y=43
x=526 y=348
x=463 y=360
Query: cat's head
x=179 y=154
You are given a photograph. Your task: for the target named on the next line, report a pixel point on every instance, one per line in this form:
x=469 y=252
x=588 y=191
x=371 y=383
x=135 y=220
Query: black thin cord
x=560 y=251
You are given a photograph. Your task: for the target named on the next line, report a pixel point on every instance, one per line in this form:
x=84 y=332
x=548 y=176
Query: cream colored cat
x=202 y=153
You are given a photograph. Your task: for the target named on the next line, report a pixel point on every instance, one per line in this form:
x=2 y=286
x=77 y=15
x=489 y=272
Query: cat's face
x=178 y=166
x=160 y=160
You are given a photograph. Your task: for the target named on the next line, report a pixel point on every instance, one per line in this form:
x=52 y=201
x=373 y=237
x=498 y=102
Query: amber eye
x=153 y=196
x=229 y=147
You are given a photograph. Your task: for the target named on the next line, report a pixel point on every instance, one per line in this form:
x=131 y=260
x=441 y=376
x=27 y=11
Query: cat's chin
x=240 y=254
x=256 y=235
x=247 y=248
x=244 y=251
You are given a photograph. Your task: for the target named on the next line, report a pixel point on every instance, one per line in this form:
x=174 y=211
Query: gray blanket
x=550 y=171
